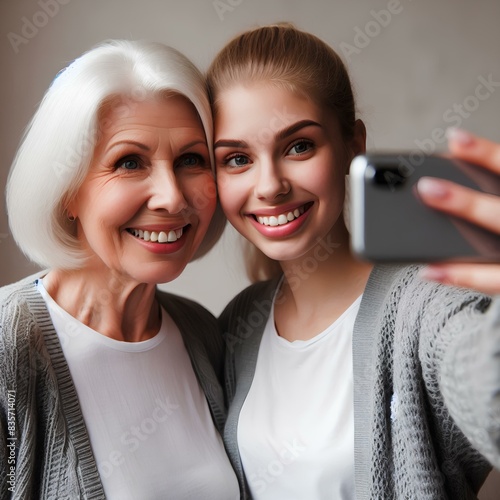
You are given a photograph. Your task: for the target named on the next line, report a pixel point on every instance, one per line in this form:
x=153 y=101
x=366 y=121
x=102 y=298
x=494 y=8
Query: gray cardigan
x=426 y=362
x=42 y=431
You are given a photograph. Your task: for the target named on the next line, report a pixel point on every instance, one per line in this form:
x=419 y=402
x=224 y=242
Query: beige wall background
x=415 y=66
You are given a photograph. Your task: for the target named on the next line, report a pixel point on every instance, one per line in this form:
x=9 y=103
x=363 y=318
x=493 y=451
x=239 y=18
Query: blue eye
x=237 y=161
x=300 y=147
x=192 y=160
x=128 y=163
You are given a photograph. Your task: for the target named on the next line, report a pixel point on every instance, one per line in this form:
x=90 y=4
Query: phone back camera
x=391 y=177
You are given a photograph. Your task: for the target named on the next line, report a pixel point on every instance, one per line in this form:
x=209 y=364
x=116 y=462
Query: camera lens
x=390 y=177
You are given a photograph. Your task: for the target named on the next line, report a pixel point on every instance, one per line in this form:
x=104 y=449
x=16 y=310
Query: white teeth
x=273 y=221
x=281 y=219
x=158 y=237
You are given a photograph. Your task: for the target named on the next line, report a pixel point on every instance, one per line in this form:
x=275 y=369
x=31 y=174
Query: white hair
x=58 y=145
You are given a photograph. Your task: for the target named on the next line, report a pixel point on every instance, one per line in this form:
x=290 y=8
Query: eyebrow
x=191 y=144
x=146 y=148
x=288 y=131
x=127 y=143
x=279 y=136
x=226 y=143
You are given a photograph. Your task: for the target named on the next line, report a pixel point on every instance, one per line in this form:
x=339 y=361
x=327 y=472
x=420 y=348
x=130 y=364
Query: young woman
x=344 y=380
x=109 y=388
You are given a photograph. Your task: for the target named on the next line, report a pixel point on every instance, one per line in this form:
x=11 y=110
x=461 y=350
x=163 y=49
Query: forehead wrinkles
x=150 y=125
x=166 y=111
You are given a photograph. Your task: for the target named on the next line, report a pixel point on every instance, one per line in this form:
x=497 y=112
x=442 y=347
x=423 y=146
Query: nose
x=166 y=192
x=271 y=182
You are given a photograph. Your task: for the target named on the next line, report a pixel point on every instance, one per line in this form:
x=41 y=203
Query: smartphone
x=389 y=223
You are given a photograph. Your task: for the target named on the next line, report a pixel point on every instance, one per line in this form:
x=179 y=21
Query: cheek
x=232 y=194
x=110 y=199
x=201 y=194
x=327 y=182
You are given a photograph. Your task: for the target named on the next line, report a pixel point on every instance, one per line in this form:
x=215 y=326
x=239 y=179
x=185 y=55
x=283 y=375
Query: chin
x=281 y=255
x=286 y=249
x=157 y=274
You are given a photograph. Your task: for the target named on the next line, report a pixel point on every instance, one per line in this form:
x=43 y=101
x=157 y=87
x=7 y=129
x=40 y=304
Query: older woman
x=109 y=387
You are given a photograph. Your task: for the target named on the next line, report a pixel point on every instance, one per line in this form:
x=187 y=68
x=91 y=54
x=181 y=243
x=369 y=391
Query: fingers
x=469 y=147
x=484 y=278
x=478 y=208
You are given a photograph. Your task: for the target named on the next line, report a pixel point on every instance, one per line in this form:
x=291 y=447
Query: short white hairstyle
x=57 y=148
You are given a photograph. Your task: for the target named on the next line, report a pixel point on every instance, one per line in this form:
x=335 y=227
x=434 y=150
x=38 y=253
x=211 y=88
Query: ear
x=357 y=144
x=70 y=205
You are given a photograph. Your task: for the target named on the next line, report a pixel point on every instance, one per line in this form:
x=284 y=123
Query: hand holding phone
x=389 y=223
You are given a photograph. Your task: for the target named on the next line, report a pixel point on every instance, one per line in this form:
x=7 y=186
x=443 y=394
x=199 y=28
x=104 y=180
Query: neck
x=319 y=287
x=108 y=302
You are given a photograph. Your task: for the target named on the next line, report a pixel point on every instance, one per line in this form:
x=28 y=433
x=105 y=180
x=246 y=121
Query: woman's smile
x=280 y=223
x=160 y=241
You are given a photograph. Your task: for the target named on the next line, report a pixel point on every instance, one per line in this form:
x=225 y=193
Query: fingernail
x=460 y=136
x=431 y=188
x=432 y=273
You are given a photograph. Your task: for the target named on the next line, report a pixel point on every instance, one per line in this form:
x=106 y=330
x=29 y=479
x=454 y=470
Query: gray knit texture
x=54 y=459
x=426 y=384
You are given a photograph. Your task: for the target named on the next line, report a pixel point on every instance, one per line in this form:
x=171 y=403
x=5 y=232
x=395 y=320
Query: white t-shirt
x=149 y=423
x=296 y=426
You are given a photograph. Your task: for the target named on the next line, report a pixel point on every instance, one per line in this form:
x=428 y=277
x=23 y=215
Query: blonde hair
x=58 y=145
x=292 y=59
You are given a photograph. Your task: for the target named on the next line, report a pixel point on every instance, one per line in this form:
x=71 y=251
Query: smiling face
x=281 y=162
x=149 y=195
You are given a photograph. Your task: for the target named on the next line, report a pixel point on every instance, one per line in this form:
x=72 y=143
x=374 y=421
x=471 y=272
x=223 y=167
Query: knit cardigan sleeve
x=460 y=357
x=410 y=438
x=470 y=378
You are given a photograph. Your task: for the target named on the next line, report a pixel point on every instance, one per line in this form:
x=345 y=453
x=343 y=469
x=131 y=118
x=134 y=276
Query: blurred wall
x=415 y=66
